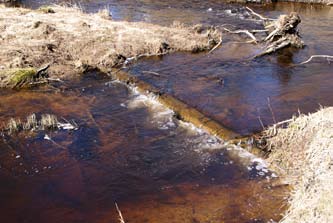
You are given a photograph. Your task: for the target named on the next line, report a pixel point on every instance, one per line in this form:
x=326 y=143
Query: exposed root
x=282 y=33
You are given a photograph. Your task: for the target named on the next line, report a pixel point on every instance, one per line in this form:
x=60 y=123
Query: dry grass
x=303 y=152
x=45 y=122
x=71 y=40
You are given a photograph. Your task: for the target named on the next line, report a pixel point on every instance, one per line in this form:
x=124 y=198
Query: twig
x=242 y=31
x=258 y=15
x=259 y=30
x=215 y=47
x=270 y=108
x=261 y=123
x=130 y=59
x=121 y=219
x=55 y=79
x=316 y=56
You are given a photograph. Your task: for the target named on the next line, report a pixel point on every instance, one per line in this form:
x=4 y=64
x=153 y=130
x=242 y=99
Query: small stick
x=261 y=123
x=316 y=56
x=121 y=219
x=259 y=31
x=215 y=47
x=270 y=108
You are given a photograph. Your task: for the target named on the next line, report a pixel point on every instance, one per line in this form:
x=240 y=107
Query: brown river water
x=131 y=150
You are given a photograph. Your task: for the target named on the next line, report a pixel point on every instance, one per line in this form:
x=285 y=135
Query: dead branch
x=121 y=219
x=328 y=57
x=242 y=31
x=258 y=15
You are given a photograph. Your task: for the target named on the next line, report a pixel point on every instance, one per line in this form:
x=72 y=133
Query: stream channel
x=130 y=150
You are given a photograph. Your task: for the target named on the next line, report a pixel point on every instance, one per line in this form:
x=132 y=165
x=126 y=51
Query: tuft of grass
x=31 y=122
x=19 y=77
x=14 y=125
x=48 y=122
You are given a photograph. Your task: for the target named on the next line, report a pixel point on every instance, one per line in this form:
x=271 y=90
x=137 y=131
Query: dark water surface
x=132 y=151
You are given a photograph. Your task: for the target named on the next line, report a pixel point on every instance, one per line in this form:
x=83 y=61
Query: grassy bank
x=72 y=41
x=303 y=153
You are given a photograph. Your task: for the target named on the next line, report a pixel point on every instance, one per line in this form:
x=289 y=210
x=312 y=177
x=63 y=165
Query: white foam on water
x=164 y=118
x=159 y=114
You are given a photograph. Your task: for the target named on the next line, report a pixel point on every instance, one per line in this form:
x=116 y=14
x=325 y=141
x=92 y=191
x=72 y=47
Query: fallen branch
x=242 y=31
x=328 y=57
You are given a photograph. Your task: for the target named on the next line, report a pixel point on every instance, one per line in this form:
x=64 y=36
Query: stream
x=130 y=150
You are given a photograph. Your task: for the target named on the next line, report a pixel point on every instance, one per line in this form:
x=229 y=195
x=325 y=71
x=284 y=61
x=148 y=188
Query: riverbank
x=73 y=42
x=303 y=153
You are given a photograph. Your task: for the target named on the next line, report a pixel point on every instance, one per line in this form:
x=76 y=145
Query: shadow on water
x=129 y=150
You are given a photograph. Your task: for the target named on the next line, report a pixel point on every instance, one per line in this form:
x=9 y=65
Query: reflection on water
x=130 y=150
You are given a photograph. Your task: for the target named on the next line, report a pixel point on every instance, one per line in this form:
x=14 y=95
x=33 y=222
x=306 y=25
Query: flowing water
x=131 y=150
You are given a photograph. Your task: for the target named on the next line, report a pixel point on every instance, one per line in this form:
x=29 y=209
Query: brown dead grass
x=303 y=152
x=72 y=41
